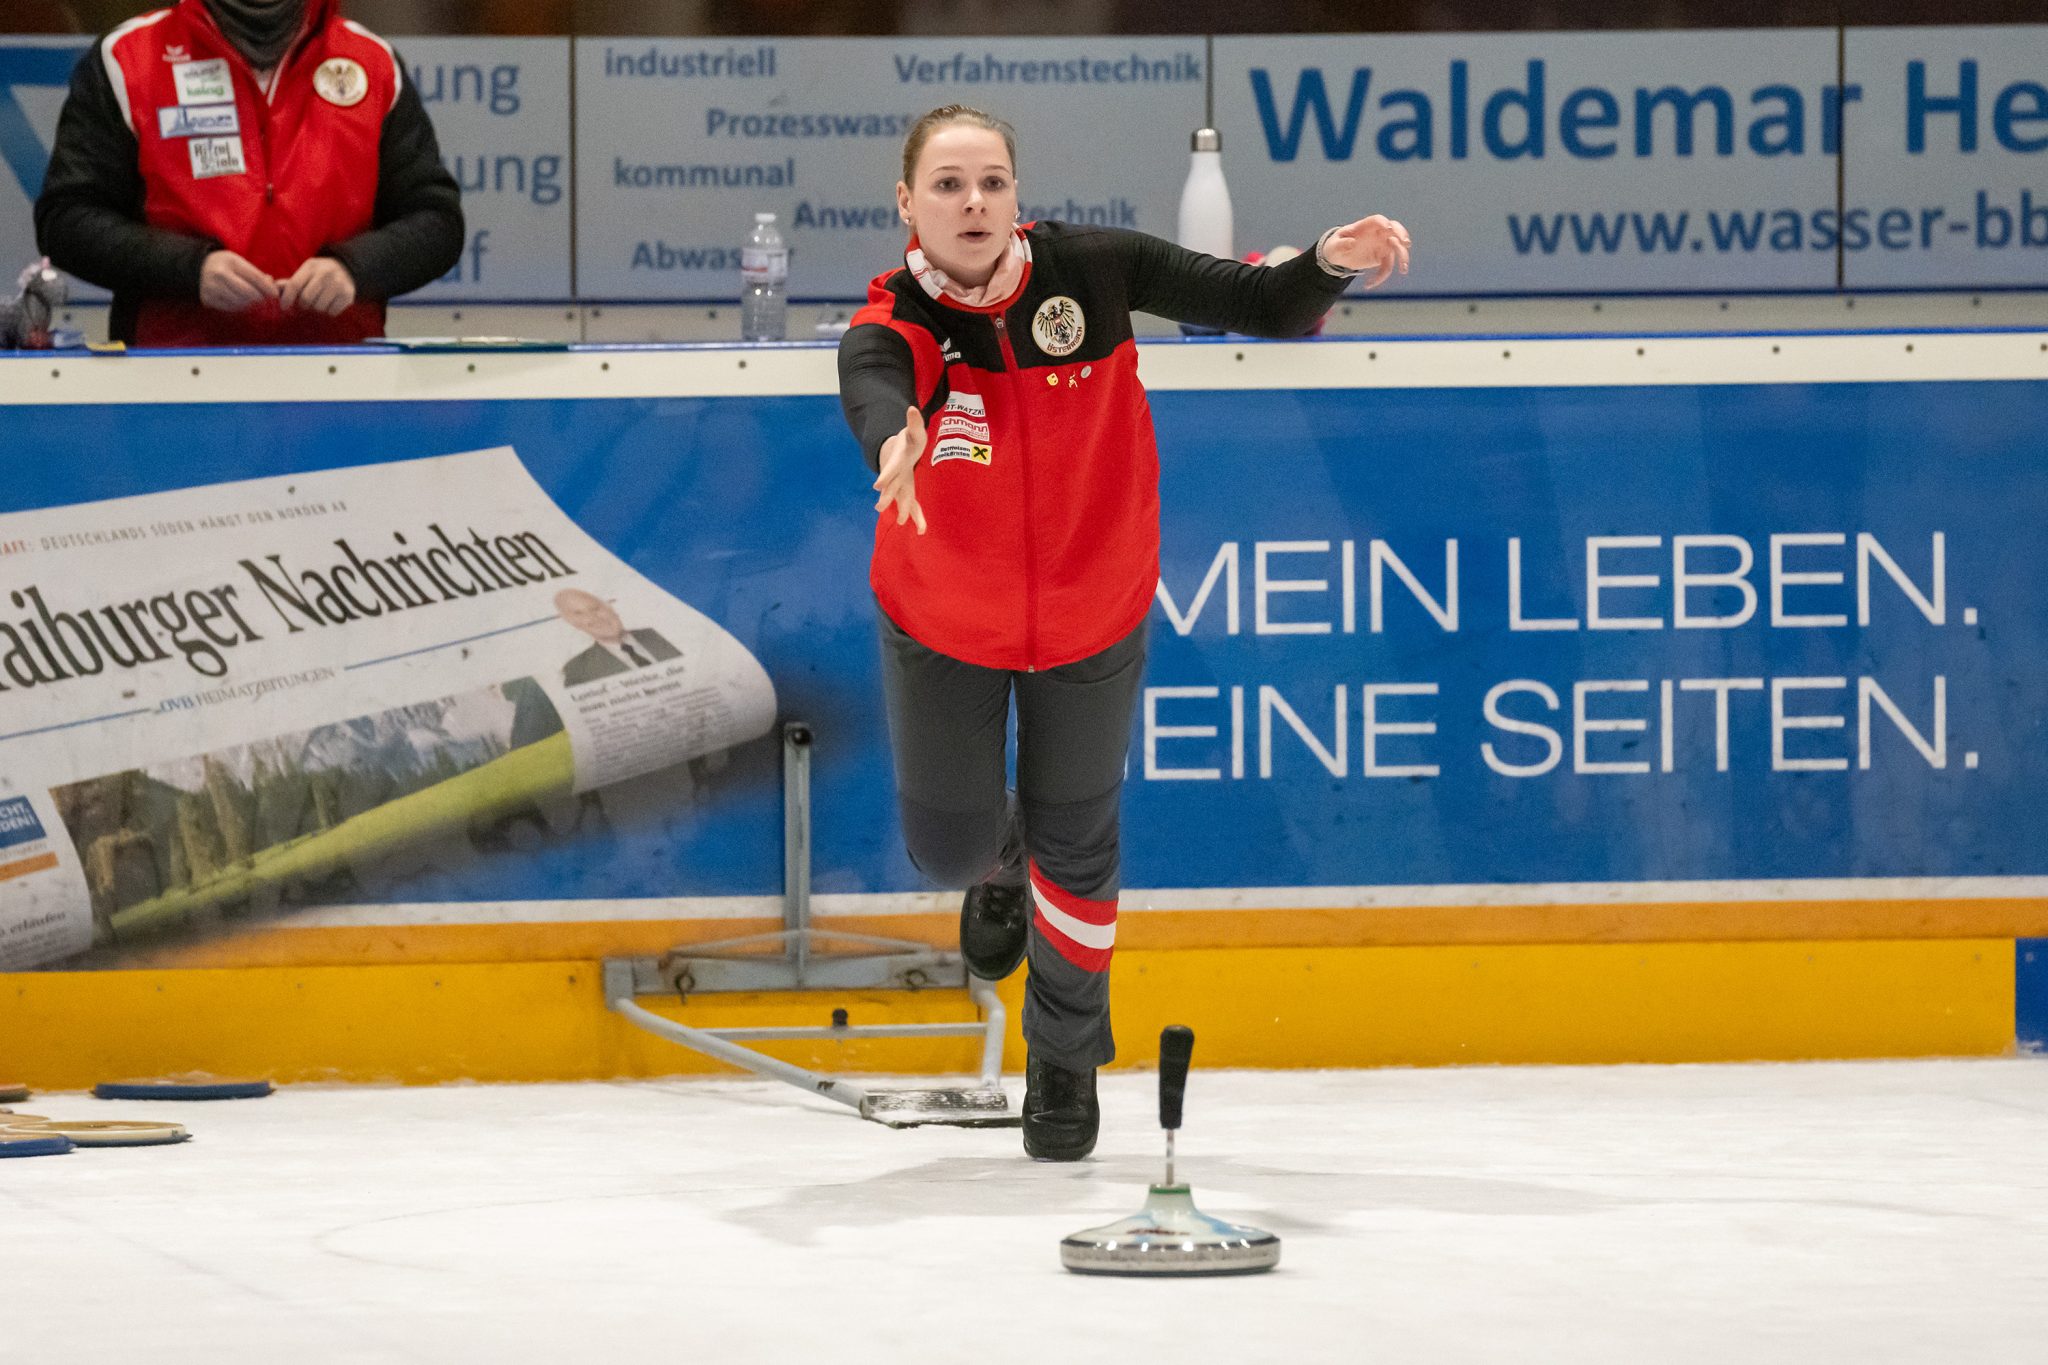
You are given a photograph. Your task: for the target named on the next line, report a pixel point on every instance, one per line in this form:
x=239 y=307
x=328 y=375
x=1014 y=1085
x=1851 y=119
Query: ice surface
x=1820 y=1212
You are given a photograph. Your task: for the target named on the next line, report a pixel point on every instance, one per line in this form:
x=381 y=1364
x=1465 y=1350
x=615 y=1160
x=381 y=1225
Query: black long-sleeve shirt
x=876 y=372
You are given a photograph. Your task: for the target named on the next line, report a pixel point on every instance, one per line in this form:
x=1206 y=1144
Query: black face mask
x=261 y=30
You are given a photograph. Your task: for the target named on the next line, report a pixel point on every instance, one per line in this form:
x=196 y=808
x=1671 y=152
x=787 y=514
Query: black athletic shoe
x=993 y=921
x=1060 y=1113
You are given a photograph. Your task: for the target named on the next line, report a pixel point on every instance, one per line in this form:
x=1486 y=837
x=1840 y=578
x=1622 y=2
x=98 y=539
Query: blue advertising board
x=1659 y=634
x=1484 y=636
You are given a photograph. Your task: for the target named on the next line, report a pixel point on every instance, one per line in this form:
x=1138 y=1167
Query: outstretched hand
x=897 y=483
x=1377 y=243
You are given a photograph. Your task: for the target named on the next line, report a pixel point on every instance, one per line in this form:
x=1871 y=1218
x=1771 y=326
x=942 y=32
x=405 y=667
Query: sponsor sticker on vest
x=1058 y=326
x=341 y=82
x=212 y=120
x=959 y=424
x=958 y=448
x=968 y=403
x=212 y=156
x=205 y=82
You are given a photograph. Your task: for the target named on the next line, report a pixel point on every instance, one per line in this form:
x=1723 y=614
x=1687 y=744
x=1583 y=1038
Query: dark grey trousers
x=948 y=726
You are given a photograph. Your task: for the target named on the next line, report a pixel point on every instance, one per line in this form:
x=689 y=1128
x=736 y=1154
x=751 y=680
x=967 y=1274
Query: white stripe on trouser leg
x=1097 y=936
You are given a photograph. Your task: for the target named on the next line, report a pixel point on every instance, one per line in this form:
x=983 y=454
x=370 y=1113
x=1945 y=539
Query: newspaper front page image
x=226 y=702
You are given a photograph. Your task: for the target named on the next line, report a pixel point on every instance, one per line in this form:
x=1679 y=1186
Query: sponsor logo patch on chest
x=959 y=424
x=965 y=415
x=214 y=120
x=204 y=82
x=961 y=448
x=212 y=156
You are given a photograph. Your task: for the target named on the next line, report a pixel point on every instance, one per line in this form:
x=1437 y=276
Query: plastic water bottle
x=764 y=282
x=1205 y=220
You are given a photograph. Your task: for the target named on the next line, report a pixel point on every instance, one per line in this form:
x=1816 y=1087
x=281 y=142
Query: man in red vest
x=247 y=173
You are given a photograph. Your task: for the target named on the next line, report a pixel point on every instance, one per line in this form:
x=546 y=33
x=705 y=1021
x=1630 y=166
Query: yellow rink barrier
x=1251 y=1007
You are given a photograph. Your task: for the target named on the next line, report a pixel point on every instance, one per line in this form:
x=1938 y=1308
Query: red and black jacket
x=1040 y=478
x=170 y=148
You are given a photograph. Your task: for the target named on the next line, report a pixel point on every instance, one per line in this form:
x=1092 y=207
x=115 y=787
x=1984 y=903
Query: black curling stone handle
x=1176 y=1045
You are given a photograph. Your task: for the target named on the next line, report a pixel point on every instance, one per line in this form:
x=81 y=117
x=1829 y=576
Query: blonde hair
x=945 y=114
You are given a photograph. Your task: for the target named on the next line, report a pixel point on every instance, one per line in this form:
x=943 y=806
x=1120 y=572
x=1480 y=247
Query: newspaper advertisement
x=220 y=703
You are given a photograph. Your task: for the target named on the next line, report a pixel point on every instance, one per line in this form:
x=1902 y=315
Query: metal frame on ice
x=865 y=962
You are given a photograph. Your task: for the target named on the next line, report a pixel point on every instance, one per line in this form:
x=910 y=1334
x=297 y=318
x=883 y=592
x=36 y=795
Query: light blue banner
x=1525 y=163
x=35 y=73
x=500 y=108
x=679 y=142
x=1542 y=162
x=1947 y=168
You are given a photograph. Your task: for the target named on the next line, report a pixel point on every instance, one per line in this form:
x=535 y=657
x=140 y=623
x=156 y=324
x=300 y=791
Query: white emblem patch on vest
x=203 y=82
x=341 y=82
x=1058 y=326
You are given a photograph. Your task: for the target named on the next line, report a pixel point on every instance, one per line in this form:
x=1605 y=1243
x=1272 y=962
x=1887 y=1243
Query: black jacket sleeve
x=418 y=232
x=1187 y=286
x=877 y=382
x=89 y=215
